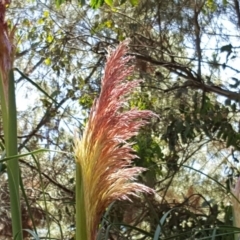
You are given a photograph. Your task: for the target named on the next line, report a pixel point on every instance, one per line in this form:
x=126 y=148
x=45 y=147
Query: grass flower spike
x=103 y=155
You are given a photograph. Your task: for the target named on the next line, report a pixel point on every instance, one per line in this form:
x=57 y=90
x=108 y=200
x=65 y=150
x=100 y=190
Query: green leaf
x=109 y=23
x=40 y=21
x=233 y=106
x=82 y=2
x=3 y=167
x=225 y=2
x=59 y=2
x=134 y=2
x=32 y=233
x=55 y=93
x=96 y=3
x=236 y=84
x=47 y=61
x=49 y=38
x=230 y=140
x=161 y=222
x=30 y=153
x=46 y=14
x=228 y=102
x=226 y=48
x=109 y=2
x=35 y=85
x=122 y=2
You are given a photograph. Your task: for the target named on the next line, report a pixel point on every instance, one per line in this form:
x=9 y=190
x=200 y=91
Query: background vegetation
x=186 y=53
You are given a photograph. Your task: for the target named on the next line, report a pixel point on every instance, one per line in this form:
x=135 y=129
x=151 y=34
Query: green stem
x=9 y=115
x=81 y=225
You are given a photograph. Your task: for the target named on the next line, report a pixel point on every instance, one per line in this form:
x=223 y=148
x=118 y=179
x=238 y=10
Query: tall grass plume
x=103 y=154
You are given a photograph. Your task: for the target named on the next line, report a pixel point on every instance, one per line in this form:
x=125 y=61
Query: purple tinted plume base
x=103 y=155
x=6 y=49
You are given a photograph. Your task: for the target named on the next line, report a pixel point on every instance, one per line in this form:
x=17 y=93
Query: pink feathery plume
x=103 y=152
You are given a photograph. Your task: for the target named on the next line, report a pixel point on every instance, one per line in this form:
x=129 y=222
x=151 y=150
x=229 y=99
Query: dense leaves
x=98 y=3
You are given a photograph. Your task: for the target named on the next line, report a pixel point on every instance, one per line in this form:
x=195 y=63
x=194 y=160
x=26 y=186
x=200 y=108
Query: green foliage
x=211 y=4
x=3 y=168
x=59 y=2
x=98 y=3
x=134 y=2
x=226 y=48
x=86 y=101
